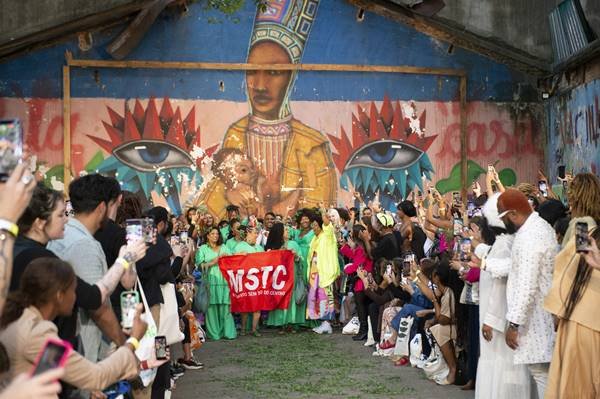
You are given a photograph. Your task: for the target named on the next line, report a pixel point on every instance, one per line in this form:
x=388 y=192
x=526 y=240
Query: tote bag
x=169 y=315
x=146 y=348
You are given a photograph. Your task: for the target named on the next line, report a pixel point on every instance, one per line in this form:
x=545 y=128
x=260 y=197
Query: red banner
x=260 y=281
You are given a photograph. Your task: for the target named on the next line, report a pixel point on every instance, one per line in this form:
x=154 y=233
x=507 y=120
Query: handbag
x=435 y=366
x=146 y=349
x=300 y=288
x=403 y=340
x=202 y=297
x=169 y=315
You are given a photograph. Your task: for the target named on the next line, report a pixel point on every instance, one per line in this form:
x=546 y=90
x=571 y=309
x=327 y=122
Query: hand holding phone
x=582 y=239
x=129 y=301
x=160 y=347
x=11 y=147
x=54 y=354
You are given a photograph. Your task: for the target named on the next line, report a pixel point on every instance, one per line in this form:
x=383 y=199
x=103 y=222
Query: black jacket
x=154 y=269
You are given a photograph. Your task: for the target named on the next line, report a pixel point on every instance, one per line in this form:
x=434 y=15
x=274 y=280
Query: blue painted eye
x=148 y=155
x=385 y=155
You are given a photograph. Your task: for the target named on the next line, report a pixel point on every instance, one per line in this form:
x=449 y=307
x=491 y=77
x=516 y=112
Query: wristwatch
x=513 y=326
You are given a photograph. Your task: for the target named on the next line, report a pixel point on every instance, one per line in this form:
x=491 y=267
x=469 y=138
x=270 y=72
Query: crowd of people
x=493 y=292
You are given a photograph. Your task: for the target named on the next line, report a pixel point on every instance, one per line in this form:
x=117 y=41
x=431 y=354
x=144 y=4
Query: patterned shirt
x=529 y=280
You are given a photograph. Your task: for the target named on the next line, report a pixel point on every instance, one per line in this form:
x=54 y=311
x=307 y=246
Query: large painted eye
x=148 y=155
x=385 y=155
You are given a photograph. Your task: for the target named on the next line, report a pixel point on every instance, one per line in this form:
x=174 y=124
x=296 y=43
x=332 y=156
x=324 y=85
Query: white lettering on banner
x=252 y=282
x=280 y=285
x=266 y=270
x=236 y=280
x=251 y=276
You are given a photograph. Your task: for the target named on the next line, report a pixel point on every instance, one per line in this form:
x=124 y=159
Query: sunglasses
x=505 y=213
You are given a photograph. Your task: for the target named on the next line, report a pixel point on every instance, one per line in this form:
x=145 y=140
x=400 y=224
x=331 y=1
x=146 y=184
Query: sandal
x=256 y=334
x=387 y=345
x=402 y=362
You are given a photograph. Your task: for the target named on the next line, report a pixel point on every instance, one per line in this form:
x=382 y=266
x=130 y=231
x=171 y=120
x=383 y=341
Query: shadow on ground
x=303 y=365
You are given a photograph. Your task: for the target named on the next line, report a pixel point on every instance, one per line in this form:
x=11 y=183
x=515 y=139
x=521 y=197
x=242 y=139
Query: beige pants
x=146 y=392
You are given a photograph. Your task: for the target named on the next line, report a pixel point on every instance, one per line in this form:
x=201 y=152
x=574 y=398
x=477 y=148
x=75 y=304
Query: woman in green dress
x=219 y=321
x=305 y=235
x=249 y=246
x=294 y=315
x=234 y=235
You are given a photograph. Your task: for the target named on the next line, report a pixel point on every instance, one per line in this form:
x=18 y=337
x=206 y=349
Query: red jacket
x=358 y=257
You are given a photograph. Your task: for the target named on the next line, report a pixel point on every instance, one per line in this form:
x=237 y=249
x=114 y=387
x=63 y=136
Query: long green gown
x=219 y=321
x=294 y=314
x=304 y=244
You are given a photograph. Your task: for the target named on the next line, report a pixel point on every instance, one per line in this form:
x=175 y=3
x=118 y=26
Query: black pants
x=473 y=348
x=374 y=312
x=362 y=306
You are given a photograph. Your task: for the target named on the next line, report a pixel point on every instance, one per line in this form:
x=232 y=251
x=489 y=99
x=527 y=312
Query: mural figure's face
x=267 y=89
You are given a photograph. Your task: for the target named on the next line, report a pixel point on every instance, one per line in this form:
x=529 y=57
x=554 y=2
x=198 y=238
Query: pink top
x=472 y=275
x=358 y=257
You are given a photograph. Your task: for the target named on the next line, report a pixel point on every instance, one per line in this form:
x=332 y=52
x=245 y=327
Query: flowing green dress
x=219 y=321
x=304 y=244
x=294 y=314
x=231 y=244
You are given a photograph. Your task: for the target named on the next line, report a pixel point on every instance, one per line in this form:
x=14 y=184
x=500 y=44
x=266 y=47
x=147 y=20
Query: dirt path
x=303 y=365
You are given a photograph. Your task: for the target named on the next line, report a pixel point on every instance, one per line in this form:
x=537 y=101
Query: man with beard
x=91 y=196
x=530 y=330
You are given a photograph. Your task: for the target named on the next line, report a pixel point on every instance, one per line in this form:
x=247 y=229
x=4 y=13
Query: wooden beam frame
x=140 y=64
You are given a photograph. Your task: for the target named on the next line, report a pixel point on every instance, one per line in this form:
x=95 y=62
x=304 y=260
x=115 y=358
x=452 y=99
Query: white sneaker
x=324 y=328
x=352 y=327
x=370 y=342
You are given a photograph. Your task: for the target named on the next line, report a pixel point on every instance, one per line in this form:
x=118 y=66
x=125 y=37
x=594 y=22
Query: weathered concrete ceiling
x=24 y=23
x=521 y=24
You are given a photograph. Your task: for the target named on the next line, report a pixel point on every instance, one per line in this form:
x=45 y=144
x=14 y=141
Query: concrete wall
x=349 y=111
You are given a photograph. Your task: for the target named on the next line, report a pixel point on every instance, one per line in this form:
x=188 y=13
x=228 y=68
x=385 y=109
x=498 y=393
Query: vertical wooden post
x=463 y=145
x=66 y=126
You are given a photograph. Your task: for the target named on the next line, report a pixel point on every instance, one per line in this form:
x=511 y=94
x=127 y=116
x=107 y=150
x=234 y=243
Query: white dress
x=497 y=375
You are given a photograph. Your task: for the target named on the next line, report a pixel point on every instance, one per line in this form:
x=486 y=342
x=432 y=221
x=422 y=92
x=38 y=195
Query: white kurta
x=529 y=280
x=497 y=375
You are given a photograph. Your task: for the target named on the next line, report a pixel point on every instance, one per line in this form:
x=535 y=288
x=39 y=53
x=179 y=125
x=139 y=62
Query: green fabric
x=225 y=233
x=217 y=286
x=304 y=243
x=244 y=248
x=230 y=245
x=294 y=314
x=325 y=245
x=220 y=323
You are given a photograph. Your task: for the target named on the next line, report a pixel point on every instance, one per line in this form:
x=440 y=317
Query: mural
x=275 y=140
x=574 y=136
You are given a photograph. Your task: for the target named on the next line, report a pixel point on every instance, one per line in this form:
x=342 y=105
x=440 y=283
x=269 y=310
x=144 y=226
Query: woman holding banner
x=324 y=269
x=219 y=321
x=248 y=245
x=294 y=315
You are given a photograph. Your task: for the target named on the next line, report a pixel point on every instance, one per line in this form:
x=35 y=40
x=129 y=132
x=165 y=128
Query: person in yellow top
x=268 y=160
x=323 y=270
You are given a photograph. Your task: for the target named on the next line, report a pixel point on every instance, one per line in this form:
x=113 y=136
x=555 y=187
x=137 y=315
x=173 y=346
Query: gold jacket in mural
x=307 y=165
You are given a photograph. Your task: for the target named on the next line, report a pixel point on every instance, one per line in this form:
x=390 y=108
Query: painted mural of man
x=293 y=161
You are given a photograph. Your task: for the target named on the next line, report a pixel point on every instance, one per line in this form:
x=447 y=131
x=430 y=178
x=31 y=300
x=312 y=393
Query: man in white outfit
x=530 y=330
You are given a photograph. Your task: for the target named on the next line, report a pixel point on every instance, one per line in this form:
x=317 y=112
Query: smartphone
x=543 y=188
x=160 y=347
x=11 y=146
x=183 y=237
x=149 y=231
x=582 y=239
x=53 y=355
x=408 y=258
x=490 y=168
x=470 y=208
x=465 y=249
x=129 y=300
x=561 y=173
x=69 y=209
x=388 y=269
x=456 y=197
x=458 y=226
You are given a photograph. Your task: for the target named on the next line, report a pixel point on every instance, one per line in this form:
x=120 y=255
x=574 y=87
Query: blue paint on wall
x=574 y=130
x=337 y=37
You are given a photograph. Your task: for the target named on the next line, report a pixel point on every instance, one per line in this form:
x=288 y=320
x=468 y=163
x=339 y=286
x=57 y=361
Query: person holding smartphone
x=47 y=290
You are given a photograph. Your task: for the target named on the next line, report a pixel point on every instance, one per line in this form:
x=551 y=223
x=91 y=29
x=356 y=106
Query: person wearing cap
x=530 y=328
x=387 y=246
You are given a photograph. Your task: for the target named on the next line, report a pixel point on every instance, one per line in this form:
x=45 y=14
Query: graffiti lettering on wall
x=575 y=134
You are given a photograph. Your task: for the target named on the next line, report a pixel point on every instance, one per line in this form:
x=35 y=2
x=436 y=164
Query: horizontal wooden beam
x=222 y=66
